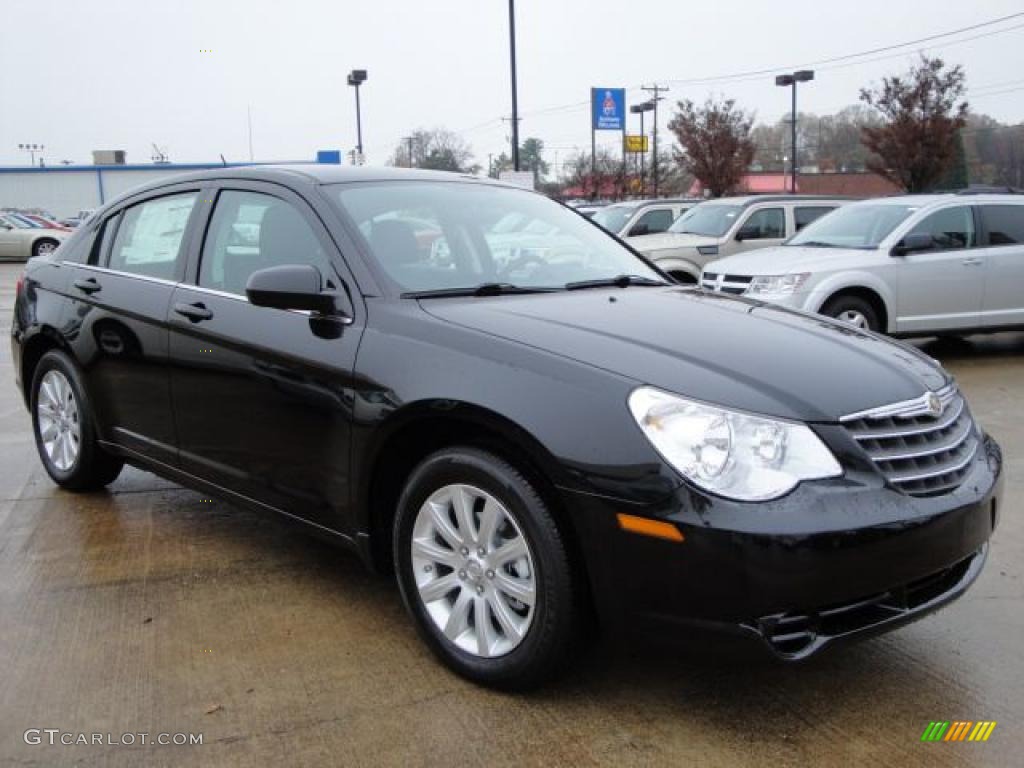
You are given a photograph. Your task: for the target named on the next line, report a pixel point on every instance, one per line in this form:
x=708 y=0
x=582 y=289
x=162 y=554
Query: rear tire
x=499 y=619
x=44 y=246
x=853 y=310
x=65 y=429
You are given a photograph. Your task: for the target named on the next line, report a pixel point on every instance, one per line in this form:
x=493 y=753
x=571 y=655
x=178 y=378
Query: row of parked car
x=904 y=265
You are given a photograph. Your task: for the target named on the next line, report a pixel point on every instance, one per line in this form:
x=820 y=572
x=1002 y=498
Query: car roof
x=748 y=200
x=323 y=173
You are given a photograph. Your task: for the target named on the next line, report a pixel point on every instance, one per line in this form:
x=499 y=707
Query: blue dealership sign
x=608 y=106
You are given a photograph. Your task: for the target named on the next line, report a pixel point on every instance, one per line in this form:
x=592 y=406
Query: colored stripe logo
x=958 y=730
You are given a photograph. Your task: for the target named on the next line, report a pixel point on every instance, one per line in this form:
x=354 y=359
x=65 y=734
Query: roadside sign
x=636 y=143
x=519 y=178
x=608 y=106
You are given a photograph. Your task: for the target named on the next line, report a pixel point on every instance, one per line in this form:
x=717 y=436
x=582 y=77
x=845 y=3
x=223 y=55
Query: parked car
x=590 y=210
x=729 y=225
x=908 y=266
x=43 y=221
x=522 y=444
x=21 y=239
x=74 y=221
x=642 y=217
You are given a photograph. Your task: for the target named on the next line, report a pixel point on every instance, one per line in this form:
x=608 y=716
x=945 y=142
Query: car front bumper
x=832 y=560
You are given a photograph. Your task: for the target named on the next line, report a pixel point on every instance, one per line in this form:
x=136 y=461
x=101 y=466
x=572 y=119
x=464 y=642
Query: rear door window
x=149 y=238
x=805 y=214
x=1004 y=224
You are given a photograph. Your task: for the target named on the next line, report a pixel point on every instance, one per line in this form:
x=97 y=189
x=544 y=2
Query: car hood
x=781 y=260
x=669 y=240
x=710 y=347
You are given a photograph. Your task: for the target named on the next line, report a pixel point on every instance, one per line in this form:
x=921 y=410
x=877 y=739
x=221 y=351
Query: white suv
x=915 y=265
x=729 y=225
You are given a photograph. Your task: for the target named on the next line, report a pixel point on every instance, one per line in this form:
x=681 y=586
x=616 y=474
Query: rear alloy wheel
x=44 y=247
x=483 y=569
x=64 y=429
x=854 y=311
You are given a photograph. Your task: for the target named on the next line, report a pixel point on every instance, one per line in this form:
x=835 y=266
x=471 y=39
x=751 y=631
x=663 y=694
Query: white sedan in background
x=20 y=240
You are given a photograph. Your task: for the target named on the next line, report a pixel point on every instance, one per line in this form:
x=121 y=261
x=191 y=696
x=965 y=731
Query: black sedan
x=531 y=426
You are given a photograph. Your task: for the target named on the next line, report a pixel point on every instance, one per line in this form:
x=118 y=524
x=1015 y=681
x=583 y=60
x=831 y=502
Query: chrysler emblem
x=934 y=404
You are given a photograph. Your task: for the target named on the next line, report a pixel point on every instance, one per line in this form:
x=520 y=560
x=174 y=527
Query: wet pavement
x=151 y=608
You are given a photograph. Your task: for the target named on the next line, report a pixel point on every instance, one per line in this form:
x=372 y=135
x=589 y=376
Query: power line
x=836 y=62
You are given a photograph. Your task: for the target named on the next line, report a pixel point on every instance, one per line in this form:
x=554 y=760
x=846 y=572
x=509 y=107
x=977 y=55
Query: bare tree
x=715 y=143
x=922 y=113
x=438 y=149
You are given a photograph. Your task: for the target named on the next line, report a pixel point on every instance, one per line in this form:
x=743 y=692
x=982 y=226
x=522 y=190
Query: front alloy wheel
x=474 y=570
x=484 y=569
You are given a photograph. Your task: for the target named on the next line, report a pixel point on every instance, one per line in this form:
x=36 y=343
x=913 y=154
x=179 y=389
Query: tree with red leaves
x=715 y=141
x=916 y=143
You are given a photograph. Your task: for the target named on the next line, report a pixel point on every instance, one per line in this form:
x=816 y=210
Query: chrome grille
x=921 y=450
x=735 y=284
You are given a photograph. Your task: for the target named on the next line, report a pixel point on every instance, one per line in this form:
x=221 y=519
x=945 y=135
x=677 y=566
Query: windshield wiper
x=622 y=281
x=484 y=289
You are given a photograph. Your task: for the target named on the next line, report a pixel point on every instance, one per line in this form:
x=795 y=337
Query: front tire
x=484 y=570
x=64 y=427
x=853 y=310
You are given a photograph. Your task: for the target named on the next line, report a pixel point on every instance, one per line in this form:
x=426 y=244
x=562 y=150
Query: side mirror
x=291 y=286
x=638 y=229
x=748 y=233
x=913 y=243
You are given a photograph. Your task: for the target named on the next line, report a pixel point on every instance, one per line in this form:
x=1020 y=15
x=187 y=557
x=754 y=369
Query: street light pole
x=31 y=149
x=790 y=81
x=515 y=97
x=356 y=78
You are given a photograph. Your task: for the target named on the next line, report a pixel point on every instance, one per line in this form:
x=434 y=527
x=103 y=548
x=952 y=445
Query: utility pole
x=409 y=140
x=515 y=98
x=655 y=89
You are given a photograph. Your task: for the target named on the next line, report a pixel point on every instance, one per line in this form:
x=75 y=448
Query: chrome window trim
x=120 y=273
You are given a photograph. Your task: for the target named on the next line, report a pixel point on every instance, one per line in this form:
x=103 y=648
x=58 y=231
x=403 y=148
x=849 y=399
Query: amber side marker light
x=647 y=527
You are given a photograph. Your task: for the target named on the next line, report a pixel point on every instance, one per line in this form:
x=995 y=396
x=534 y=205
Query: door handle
x=974 y=261
x=88 y=286
x=194 y=312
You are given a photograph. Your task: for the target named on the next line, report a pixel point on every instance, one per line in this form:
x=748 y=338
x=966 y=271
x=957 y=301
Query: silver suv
x=729 y=225
x=642 y=217
x=914 y=265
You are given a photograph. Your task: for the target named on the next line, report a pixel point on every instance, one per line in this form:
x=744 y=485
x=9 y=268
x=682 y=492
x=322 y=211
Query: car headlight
x=736 y=455
x=777 y=283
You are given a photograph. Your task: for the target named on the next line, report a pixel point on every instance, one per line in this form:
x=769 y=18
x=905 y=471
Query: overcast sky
x=78 y=75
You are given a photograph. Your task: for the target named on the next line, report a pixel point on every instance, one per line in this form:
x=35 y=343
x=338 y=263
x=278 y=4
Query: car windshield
x=440 y=235
x=860 y=225
x=614 y=217
x=707 y=219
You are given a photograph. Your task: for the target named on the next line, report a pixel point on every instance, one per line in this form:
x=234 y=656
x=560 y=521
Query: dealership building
x=65 y=190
